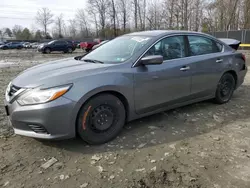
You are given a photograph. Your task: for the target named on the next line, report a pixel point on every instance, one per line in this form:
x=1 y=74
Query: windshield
x=118 y=50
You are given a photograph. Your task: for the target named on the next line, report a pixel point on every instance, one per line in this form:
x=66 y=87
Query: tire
x=225 y=88
x=47 y=50
x=5 y=48
x=70 y=50
x=87 y=50
x=101 y=119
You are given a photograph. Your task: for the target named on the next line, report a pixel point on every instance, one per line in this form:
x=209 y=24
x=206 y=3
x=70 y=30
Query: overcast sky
x=23 y=12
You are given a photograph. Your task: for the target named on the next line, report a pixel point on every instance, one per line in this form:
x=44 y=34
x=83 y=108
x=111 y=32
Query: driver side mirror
x=152 y=60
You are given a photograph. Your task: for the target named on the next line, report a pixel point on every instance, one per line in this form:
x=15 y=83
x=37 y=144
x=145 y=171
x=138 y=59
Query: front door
x=156 y=86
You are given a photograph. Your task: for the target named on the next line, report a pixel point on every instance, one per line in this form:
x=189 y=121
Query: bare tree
x=123 y=10
x=44 y=18
x=72 y=28
x=59 y=22
x=155 y=15
x=2 y=34
x=136 y=13
x=246 y=14
x=114 y=16
x=83 y=22
x=100 y=7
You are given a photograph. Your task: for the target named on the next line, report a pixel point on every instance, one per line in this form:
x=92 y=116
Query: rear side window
x=60 y=42
x=169 y=48
x=199 y=45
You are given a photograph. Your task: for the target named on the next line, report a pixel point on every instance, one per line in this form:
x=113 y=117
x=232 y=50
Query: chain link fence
x=241 y=35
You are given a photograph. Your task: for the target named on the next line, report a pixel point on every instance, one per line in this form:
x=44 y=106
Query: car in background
x=77 y=44
x=87 y=46
x=56 y=45
x=132 y=76
x=98 y=45
x=74 y=43
x=27 y=45
x=35 y=45
x=11 y=45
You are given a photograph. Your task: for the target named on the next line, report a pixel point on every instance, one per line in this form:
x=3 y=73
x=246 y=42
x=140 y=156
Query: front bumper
x=44 y=121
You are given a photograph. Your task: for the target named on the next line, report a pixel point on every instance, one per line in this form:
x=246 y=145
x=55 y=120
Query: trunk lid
x=231 y=42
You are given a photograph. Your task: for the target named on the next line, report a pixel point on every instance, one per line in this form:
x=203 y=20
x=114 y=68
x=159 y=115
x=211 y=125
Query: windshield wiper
x=93 y=61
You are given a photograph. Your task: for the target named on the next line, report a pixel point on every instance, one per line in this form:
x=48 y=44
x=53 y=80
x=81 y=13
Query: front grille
x=13 y=90
x=38 y=129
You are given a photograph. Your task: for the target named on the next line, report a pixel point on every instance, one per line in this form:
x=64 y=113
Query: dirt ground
x=202 y=145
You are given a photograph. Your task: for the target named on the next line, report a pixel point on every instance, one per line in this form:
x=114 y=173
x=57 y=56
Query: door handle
x=219 y=60
x=184 y=68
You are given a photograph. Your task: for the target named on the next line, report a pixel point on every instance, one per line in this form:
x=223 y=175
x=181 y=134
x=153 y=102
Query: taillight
x=243 y=57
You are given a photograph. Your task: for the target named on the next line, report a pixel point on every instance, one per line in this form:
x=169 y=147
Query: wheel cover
x=102 y=118
x=226 y=87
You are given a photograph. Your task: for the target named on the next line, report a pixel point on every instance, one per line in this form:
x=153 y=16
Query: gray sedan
x=130 y=77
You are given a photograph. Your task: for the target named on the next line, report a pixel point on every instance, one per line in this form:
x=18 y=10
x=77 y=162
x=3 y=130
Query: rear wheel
x=70 y=50
x=225 y=88
x=101 y=119
x=87 y=50
x=47 y=50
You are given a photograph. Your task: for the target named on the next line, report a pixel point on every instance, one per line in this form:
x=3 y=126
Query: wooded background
x=110 y=18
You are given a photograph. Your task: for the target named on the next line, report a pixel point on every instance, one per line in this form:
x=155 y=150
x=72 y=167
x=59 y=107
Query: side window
x=200 y=45
x=169 y=48
x=219 y=46
x=59 y=42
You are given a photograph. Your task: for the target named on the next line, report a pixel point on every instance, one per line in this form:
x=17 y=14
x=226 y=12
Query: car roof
x=156 y=33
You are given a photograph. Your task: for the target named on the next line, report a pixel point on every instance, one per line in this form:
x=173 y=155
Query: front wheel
x=225 y=88
x=101 y=119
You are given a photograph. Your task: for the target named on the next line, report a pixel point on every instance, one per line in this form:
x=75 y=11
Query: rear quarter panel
x=240 y=68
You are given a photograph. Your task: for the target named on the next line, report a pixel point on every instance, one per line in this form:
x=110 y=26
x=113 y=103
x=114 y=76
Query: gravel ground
x=197 y=146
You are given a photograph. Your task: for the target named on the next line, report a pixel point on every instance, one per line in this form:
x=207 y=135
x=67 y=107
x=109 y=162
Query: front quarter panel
x=114 y=80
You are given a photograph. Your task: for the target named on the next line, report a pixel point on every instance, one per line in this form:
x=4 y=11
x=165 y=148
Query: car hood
x=57 y=72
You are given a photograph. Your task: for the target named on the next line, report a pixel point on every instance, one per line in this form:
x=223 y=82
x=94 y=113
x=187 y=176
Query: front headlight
x=39 y=96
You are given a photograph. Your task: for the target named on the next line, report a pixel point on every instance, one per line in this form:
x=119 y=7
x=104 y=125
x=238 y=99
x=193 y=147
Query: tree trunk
x=186 y=14
x=114 y=17
x=135 y=13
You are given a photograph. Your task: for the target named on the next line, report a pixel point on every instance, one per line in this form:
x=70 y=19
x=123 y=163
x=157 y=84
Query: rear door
x=157 y=86
x=60 y=46
x=208 y=64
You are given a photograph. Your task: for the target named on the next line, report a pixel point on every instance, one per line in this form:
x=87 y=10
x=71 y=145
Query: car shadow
x=170 y=126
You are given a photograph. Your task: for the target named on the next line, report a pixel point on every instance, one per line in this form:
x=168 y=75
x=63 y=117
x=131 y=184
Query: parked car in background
x=57 y=45
x=98 y=45
x=132 y=76
x=11 y=45
x=74 y=43
x=35 y=45
x=27 y=45
x=87 y=46
x=77 y=43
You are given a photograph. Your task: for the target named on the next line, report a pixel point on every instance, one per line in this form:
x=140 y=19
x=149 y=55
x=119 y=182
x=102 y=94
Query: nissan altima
x=132 y=76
